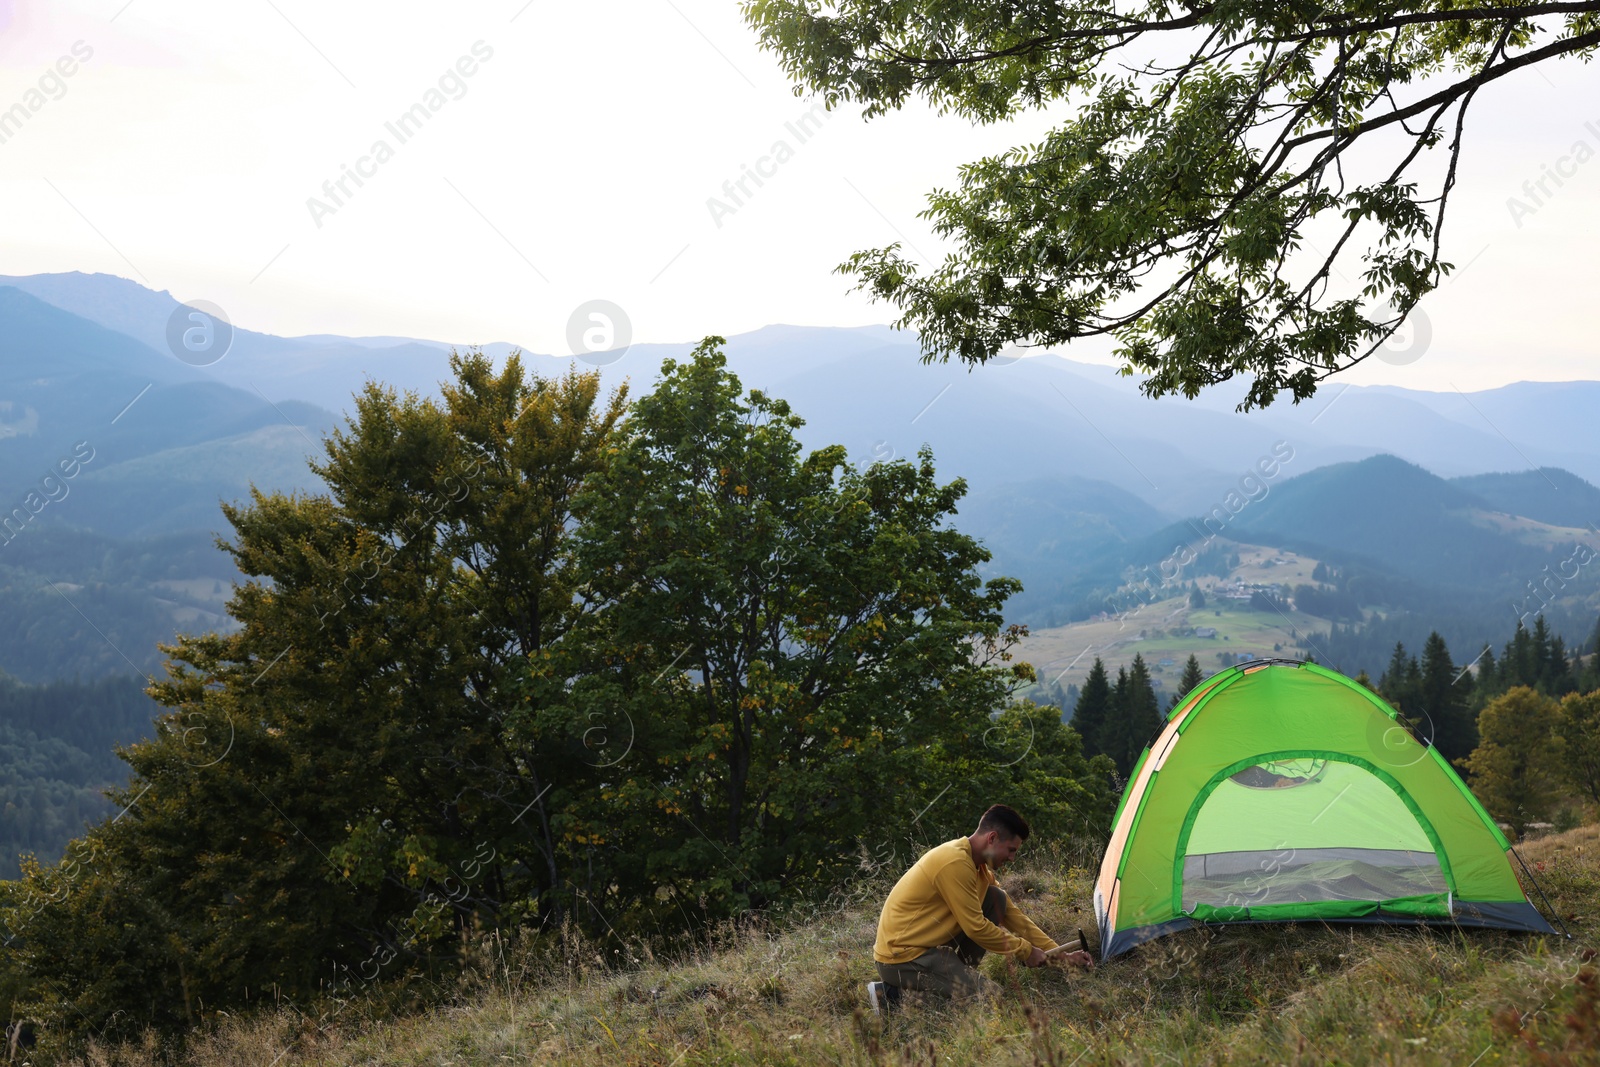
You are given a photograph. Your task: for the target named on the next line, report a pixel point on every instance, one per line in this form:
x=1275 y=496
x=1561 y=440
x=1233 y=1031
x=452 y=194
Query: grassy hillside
x=1399 y=517
x=1394 y=605
x=1550 y=495
x=1063 y=654
x=793 y=994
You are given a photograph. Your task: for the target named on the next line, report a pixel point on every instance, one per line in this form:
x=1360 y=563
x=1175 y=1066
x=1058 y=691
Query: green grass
x=1239 y=627
x=1064 y=654
x=794 y=994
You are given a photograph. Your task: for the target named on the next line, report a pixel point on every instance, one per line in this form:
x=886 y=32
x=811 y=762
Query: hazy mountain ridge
x=1086 y=418
x=323 y=369
x=73 y=381
x=1548 y=495
x=1073 y=476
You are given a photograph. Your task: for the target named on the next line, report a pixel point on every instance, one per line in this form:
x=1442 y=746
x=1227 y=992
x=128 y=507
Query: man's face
x=999 y=849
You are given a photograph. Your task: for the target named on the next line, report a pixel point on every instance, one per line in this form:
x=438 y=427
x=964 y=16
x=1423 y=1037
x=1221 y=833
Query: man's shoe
x=882 y=996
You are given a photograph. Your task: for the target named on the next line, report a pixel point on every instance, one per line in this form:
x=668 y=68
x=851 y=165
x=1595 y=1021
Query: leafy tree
x=1037 y=764
x=1577 y=731
x=804 y=647
x=1164 y=211
x=1514 y=768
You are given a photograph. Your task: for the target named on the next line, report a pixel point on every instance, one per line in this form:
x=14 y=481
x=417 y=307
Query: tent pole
x=1540 y=888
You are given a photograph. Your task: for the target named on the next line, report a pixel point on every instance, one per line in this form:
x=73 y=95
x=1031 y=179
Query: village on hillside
x=1248 y=614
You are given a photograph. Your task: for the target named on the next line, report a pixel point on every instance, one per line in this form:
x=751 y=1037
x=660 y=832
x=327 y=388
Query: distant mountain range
x=1074 y=477
x=158 y=430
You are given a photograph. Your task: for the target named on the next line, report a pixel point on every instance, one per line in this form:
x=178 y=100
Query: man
x=948 y=910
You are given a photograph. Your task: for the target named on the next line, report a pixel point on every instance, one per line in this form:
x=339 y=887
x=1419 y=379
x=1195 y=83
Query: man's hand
x=1079 y=958
x=1036 y=958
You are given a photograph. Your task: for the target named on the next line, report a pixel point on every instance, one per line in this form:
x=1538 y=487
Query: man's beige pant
x=951 y=969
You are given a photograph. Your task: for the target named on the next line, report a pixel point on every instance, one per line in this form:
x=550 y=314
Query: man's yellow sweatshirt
x=942 y=893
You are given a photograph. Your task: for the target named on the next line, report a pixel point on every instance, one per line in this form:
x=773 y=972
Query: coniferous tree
x=1558 y=678
x=1192 y=676
x=1093 y=710
x=1535 y=658
x=1114 y=735
x=1539 y=652
x=1401 y=681
x=1590 y=645
x=1524 y=657
x=1445 y=693
x=1061 y=699
x=1511 y=669
x=1141 y=713
x=1394 y=673
x=1487 y=674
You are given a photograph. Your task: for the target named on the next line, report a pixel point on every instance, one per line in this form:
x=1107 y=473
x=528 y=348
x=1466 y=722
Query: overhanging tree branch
x=1171 y=210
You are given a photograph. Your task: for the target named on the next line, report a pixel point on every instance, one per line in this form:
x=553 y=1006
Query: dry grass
x=794 y=995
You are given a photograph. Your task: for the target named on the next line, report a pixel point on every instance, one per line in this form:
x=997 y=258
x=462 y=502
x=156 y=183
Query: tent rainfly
x=1282 y=791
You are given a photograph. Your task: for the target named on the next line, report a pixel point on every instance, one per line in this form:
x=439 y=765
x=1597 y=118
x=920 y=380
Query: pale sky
x=575 y=163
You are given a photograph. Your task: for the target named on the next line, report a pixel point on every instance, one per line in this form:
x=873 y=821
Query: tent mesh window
x=1306 y=830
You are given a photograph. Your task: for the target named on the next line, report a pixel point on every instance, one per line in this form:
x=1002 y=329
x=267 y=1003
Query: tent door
x=1287 y=830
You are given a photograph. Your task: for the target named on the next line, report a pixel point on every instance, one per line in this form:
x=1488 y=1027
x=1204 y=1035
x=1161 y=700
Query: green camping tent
x=1283 y=791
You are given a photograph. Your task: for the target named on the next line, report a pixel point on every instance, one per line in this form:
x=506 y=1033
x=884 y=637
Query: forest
x=58 y=757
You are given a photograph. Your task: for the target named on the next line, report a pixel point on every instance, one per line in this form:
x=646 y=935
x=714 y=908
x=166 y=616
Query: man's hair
x=1004 y=818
